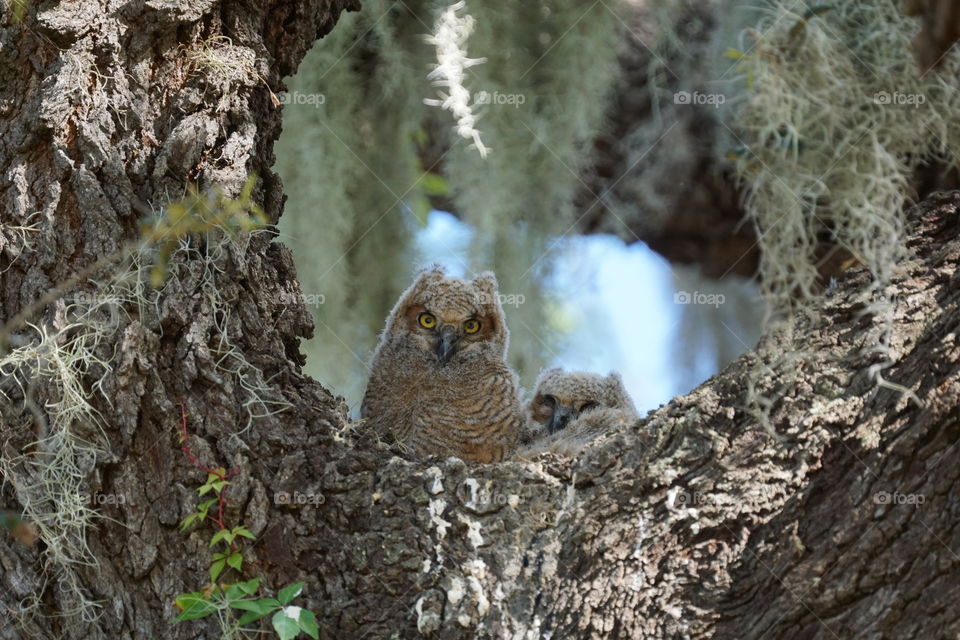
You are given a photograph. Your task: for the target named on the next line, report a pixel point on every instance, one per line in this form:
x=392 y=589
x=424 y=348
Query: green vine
x=222 y=599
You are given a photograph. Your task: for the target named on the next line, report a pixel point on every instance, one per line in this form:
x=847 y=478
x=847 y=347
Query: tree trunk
x=694 y=523
x=109 y=110
x=939 y=32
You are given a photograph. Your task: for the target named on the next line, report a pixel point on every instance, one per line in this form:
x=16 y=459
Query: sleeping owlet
x=568 y=410
x=439 y=380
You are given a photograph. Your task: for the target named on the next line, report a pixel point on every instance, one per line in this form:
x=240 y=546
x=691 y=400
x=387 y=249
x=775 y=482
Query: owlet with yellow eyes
x=568 y=410
x=439 y=381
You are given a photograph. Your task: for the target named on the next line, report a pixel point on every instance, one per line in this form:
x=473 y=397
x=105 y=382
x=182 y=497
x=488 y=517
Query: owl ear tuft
x=486 y=296
x=546 y=373
x=615 y=382
x=421 y=281
x=617 y=388
x=426 y=276
x=487 y=283
x=433 y=271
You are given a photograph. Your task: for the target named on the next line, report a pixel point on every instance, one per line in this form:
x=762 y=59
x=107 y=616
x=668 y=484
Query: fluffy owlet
x=568 y=410
x=439 y=381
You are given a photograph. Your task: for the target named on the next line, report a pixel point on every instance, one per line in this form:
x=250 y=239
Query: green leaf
x=205 y=489
x=733 y=54
x=235 y=560
x=234 y=594
x=223 y=534
x=308 y=622
x=216 y=569
x=259 y=606
x=19 y=10
x=434 y=184
x=243 y=531
x=289 y=593
x=205 y=506
x=250 y=586
x=250 y=616
x=158 y=273
x=285 y=626
x=189 y=520
x=193 y=605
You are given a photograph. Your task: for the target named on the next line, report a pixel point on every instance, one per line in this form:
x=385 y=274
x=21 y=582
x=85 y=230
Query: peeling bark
x=693 y=523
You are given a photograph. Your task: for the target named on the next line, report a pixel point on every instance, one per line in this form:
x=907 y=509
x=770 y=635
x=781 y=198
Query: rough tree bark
x=694 y=523
x=109 y=108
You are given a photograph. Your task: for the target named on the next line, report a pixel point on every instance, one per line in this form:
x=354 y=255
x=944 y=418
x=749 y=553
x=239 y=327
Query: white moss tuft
x=450 y=39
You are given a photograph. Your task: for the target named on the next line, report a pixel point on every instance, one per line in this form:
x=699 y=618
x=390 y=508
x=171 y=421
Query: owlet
x=439 y=381
x=568 y=410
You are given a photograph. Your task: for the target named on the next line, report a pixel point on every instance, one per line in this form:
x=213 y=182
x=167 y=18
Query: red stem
x=185 y=448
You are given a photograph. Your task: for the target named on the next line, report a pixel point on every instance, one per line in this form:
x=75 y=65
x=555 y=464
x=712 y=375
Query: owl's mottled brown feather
x=465 y=406
x=569 y=410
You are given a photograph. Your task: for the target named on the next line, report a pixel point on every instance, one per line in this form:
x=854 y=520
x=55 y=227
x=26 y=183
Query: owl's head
x=560 y=397
x=451 y=319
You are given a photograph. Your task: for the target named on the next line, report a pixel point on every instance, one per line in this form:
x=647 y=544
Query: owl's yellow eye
x=471 y=326
x=427 y=320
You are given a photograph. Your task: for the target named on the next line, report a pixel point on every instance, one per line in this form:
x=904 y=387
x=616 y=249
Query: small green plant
x=200 y=212
x=236 y=605
x=288 y=620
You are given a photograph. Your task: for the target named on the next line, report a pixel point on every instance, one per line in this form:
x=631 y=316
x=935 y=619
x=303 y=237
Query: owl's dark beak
x=447 y=344
x=558 y=419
